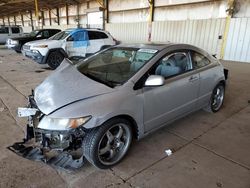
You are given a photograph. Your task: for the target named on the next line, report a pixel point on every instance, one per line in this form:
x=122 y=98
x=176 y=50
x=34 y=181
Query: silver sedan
x=100 y=104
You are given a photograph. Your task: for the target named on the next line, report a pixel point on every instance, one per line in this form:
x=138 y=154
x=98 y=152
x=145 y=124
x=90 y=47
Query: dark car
x=16 y=43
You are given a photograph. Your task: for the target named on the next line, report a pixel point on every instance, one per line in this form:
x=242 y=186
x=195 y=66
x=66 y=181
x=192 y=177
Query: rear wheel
x=55 y=59
x=106 y=145
x=217 y=98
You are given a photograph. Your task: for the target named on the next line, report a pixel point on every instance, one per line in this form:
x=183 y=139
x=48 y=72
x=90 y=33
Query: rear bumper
x=34 y=55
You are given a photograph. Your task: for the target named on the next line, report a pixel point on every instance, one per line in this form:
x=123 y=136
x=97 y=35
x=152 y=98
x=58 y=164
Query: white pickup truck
x=69 y=43
x=9 y=32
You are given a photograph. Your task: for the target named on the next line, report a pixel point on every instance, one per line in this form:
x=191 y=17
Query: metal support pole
x=57 y=14
x=31 y=20
x=67 y=14
x=50 y=17
x=78 y=15
x=43 y=21
x=8 y=20
x=150 y=19
x=230 y=11
x=36 y=13
x=22 y=20
x=15 y=20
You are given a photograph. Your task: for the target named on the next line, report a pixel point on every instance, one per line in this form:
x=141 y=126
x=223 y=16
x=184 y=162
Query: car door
x=77 y=43
x=203 y=65
x=4 y=34
x=177 y=97
x=95 y=41
x=16 y=32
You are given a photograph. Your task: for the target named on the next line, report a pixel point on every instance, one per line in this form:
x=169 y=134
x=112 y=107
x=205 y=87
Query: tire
x=54 y=59
x=106 y=145
x=18 y=51
x=217 y=99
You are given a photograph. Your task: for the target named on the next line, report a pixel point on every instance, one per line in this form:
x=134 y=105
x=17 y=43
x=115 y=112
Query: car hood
x=65 y=86
x=42 y=42
x=24 y=38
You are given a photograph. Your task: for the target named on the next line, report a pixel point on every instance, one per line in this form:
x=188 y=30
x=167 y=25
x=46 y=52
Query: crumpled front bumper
x=56 y=148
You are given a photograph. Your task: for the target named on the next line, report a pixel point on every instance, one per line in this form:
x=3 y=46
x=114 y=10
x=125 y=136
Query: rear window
x=93 y=35
x=102 y=35
x=4 y=30
x=15 y=30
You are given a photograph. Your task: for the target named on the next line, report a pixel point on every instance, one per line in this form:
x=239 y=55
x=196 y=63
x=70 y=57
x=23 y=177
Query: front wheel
x=55 y=59
x=217 y=98
x=106 y=145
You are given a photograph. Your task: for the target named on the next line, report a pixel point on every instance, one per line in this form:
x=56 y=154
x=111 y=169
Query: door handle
x=193 y=78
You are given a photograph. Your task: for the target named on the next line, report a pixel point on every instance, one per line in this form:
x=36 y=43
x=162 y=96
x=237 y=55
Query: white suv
x=69 y=43
x=9 y=32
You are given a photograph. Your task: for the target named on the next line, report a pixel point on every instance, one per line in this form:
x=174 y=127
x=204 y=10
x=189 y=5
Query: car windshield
x=115 y=66
x=60 y=36
x=34 y=33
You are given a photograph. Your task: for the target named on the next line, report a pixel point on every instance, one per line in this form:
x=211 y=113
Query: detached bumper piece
x=63 y=160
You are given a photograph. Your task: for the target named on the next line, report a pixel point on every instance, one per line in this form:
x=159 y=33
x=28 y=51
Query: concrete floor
x=209 y=150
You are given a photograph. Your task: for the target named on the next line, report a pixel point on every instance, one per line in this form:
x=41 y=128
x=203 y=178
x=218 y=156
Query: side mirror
x=39 y=36
x=155 y=80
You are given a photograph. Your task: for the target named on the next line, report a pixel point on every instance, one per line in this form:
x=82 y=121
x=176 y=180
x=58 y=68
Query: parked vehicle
x=8 y=32
x=16 y=43
x=126 y=91
x=68 y=43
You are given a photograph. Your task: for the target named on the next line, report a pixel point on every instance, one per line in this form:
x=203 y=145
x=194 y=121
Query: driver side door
x=177 y=97
x=77 y=43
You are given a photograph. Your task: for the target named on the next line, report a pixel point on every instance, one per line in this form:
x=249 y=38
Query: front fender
x=105 y=107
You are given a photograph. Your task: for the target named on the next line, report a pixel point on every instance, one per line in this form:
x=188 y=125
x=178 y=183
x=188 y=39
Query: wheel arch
x=135 y=129
x=60 y=50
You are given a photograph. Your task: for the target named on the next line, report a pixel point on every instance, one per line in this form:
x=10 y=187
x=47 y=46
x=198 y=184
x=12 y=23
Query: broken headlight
x=62 y=123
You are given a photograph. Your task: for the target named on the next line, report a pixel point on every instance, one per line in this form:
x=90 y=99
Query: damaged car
x=93 y=109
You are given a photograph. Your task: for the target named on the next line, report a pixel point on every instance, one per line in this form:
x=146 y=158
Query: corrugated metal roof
x=13 y=7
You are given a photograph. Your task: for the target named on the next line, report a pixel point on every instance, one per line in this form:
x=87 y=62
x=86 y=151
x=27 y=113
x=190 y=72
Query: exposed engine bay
x=58 y=148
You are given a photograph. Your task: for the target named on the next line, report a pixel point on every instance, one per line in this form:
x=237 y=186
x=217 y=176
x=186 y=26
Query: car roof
x=86 y=29
x=155 y=46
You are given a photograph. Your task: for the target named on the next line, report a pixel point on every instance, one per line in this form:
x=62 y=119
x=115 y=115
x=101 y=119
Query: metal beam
x=67 y=14
x=107 y=11
x=22 y=20
x=57 y=15
x=8 y=20
x=31 y=20
x=78 y=15
x=50 y=17
x=230 y=11
x=15 y=20
x=43 y=21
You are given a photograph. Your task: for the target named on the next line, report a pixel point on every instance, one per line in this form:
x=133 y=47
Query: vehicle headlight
x=41 y=46
x=14 y=42
x=62 y=123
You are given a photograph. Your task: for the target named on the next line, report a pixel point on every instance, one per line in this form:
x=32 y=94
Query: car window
x=79 y=36
x=116 y=65
x=93 y=35
x=4 y=30
x=45 y=34
x=173 y=64
x=61 y=35
x=15 y=30
x=199 y=60
x=102 y=35
x=53 y=32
